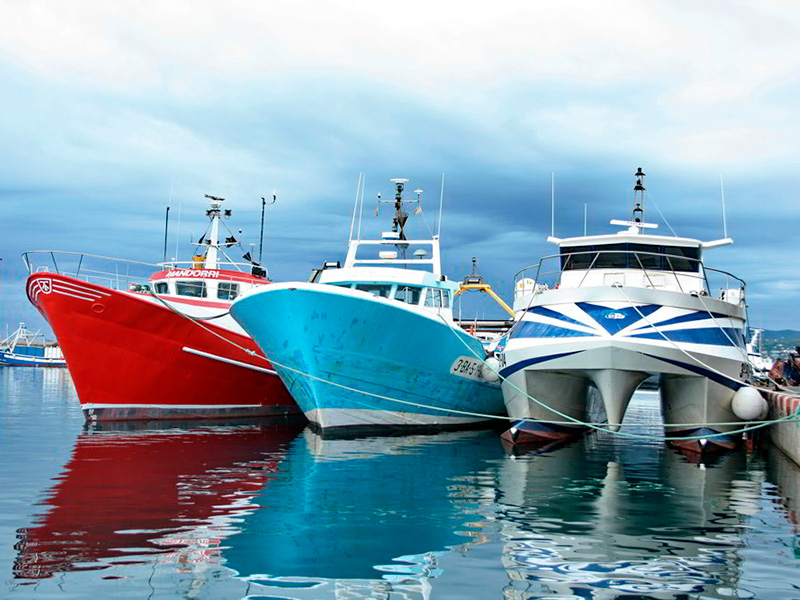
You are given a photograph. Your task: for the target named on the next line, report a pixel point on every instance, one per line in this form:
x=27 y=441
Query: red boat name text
x=193 y=273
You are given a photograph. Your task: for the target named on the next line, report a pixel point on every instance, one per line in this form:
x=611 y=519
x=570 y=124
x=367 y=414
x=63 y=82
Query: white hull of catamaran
x=571 y=341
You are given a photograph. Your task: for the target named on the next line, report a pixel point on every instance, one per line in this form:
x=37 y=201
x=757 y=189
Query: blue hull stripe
x=696 y=316
x=533 y=329
x=708 y=335
x=614 y=320
x=547 y=312
x=709 y=374
x=713 y=336
x=533 y=361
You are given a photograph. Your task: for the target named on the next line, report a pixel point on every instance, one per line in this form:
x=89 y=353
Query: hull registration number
x=468 y=367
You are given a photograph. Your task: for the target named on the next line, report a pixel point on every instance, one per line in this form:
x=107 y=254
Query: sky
x=112 y=111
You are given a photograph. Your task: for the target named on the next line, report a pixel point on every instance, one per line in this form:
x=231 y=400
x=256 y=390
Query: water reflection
x=379 y=510
x=130 y=491
x=19 y=386
x=785 y=475
x=615 y=519
x=270 y=512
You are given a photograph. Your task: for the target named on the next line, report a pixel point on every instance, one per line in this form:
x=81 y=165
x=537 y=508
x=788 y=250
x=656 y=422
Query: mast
x=261 y=238
x=638 y=197
x=166 y=231
x=400 y=214
x=214 y=214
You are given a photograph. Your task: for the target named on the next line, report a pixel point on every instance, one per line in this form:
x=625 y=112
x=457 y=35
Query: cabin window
x=382 y=291
x=607 y=258
x=433 y=297
x=631 y=256
x=161 y=287
x=445 y=299
x=577 y=257
x=408 y=293
x=686 y=259
x=227 y=290
x=645 y=255
x=195 y=289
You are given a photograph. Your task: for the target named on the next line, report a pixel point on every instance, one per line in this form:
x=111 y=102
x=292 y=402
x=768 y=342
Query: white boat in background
x=611 y=310
x=760 y=365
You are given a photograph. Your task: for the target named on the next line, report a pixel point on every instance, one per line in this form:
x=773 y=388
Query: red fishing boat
x=145 y=341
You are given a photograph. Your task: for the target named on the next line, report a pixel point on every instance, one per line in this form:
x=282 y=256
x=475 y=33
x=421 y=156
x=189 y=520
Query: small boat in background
x=373 y=346
x=760 y=365
x=148 y=341
x=24 y=348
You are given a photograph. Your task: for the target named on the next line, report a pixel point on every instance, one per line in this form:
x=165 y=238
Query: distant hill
x=781 y=334
x=778 y=342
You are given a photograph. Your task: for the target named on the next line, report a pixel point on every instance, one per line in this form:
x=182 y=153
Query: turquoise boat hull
x=352 y=361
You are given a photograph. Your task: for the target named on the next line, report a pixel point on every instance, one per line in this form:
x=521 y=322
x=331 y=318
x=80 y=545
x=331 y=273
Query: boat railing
x=684 y=273
x=244 y=267
x=115 y=273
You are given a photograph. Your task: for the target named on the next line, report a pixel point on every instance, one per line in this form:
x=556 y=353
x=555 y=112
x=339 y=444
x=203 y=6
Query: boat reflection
x=367 y=516
x=131 y=491
x=53 y=386
x=785 y=474
x=603 y=520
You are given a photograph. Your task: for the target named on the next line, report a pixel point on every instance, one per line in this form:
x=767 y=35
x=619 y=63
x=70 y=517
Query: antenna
x=178 y=232
x=585 y=210
x=166 y=226
x=724 y=217
x=361 y=208
x=261 y=238
x=441 y=202
x=166 y=231
x=552 y=204
x=638 y=197
x=355 y=206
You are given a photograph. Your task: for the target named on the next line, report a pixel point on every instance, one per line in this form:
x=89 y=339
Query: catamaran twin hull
x=354 y=362
x=612 y=339
x=131 y=357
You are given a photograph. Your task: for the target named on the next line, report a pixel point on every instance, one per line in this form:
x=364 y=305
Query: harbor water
x=272 y=511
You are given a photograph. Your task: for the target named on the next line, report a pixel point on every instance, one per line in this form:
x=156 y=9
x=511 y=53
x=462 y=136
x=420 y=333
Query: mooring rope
x=471 y=413
x=755 y=424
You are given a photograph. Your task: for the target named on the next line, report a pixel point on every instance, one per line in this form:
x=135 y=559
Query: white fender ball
x=748 y=405
x=490 y=369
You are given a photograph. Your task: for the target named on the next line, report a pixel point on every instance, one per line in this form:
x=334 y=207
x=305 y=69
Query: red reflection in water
x=134 y=492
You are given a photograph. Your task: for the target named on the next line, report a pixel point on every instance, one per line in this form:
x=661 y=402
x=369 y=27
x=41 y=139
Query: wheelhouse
x=632 y=260
x=203 y=284
x=632 y=256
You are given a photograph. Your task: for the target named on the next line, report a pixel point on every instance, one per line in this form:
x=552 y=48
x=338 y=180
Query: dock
x=786 y=434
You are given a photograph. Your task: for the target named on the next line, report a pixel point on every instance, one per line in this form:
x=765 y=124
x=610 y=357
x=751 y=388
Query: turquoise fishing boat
x=373 y=344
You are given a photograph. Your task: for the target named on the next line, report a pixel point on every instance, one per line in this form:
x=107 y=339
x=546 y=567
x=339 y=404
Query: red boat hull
x=132 y=358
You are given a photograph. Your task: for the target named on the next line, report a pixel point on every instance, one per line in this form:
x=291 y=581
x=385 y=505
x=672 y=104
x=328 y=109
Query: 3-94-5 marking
x=468 y=367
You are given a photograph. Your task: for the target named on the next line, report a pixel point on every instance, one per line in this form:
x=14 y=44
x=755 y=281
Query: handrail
x=701 y=272
x=81 y=255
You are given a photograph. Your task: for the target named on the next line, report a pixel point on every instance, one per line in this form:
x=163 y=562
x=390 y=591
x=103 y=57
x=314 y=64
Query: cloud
x=111 y=109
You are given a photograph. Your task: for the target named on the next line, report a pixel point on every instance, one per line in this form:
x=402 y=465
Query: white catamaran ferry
x=608 y=312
